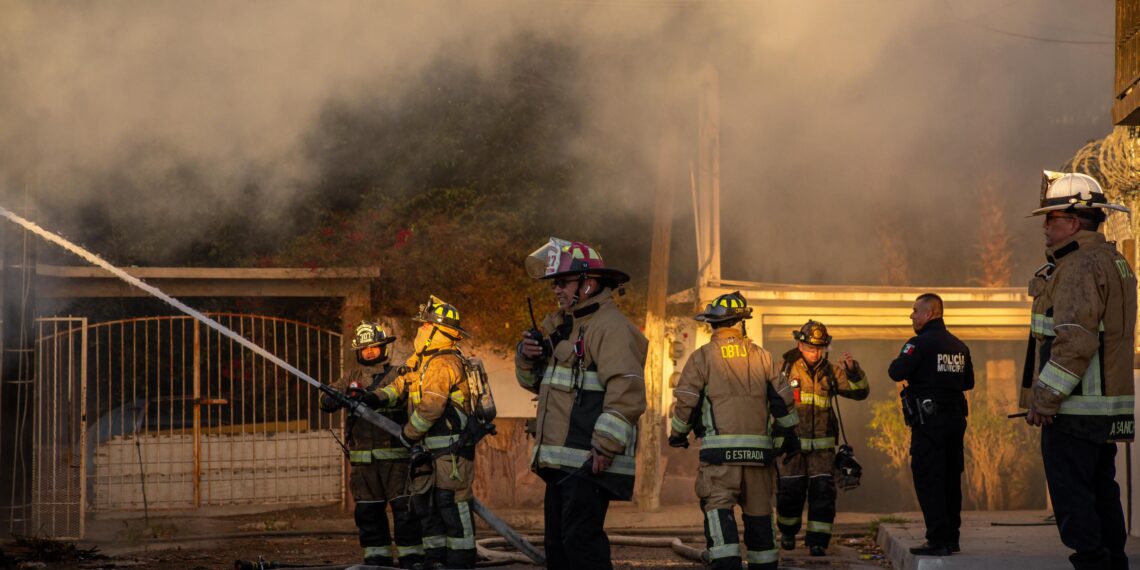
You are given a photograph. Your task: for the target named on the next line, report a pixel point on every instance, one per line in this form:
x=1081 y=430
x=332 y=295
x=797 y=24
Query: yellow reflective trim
x=1098 y=405
x=458 y=397
x=679 y=426
x=788 y=521
x=440 y=441
x=564 y=377
x=615 y=426
x=370 y=551
x=736 y=440
x=435 y=541
x=725 y=551
x=1058 y=379
x=789 y=420
x=390 y=392
x=763 y=556
x=403 y=551
x=820 y=527
x=390 y=453
x=811 y=444
x=419 y=423
x=817 y=400
x=575 y=458
x=360 y=457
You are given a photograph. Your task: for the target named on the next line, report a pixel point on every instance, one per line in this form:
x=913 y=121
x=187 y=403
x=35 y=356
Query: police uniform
x=728 y=392
x=379 y=476
x=809 y=474
x=938 y=369
x=1079 y=370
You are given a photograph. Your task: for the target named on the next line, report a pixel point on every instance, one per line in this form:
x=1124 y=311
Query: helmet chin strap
x=578 y=291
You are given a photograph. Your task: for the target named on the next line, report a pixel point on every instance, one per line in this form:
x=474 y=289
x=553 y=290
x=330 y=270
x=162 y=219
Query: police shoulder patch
x=908 y=348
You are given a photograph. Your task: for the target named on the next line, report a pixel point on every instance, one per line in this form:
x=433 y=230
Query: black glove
x=790 y=447
x=329 y=404
x=418 y=456
x=679 y=440
x=370 y=399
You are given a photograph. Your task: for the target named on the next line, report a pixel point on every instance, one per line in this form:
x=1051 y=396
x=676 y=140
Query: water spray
x=355 y=407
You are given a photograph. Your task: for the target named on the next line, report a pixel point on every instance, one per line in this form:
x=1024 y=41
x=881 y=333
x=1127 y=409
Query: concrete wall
x=236 y=469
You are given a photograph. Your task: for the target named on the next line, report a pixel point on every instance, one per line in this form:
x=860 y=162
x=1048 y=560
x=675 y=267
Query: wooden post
x=652 y=423
x=708 y=178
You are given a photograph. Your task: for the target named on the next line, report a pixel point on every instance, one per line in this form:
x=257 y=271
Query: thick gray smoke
x=837 y=118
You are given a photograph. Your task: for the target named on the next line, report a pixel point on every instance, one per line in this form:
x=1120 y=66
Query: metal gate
x=179 y=416
x=58 y=459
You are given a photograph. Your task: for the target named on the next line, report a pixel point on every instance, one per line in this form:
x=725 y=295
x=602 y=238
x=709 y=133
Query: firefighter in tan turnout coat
x=587 y=366
x=732 y=395
x=379 y=462
x=442 y=448
x=1078 y=380
x=815 y=383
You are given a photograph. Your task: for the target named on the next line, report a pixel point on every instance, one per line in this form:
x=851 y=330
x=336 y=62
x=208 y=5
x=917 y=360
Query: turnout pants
x=1086 y=499
x=443 y=505
x=574 y=513
x=374 y=486
x=936 y=462
x=720 y=488
x=807 y=476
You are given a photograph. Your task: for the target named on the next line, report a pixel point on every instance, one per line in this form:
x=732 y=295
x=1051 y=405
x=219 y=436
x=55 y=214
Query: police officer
x=379 y=463
x=728 y=391
x=440 y=404
x=1078 y=376
x=587 y=366
x=815 y=382
x=937 y=369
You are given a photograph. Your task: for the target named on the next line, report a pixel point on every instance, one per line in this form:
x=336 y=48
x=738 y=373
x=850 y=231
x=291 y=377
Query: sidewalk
x=1000 y=540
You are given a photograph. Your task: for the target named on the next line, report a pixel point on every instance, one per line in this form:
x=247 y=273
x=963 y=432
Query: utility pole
x=708 y=181
x=652 y=422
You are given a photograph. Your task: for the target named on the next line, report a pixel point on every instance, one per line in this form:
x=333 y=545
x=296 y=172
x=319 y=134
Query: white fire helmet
x=1071 y=190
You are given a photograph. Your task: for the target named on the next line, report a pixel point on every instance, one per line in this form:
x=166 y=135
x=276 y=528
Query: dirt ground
x=326 y=537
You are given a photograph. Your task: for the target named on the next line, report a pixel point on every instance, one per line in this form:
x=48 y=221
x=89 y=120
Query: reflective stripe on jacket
x=818 y=427
x=728 y=391
x=1080 y=363
x=592 y=397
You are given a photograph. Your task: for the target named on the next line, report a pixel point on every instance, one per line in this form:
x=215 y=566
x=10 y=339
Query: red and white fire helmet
x=560 y=258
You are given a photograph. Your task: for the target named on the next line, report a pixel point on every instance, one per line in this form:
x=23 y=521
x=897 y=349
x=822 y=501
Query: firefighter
x=815 y=381
x=442 y=448
x=379 y=463
x=1078 y=377
x=938 y=370
x=729 y=392
x=587 y=366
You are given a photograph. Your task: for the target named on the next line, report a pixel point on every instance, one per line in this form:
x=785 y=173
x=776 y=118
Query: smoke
x=206 y=122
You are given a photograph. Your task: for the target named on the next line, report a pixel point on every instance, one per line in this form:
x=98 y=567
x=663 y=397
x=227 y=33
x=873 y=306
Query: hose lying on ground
x=484 y=547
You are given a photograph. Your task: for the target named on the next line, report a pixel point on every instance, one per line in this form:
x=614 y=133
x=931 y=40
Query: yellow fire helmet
x=1072 y=190
x=438 y=312
x=725 y=308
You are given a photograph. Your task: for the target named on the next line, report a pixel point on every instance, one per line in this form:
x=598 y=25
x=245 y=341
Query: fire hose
x=355 y=407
